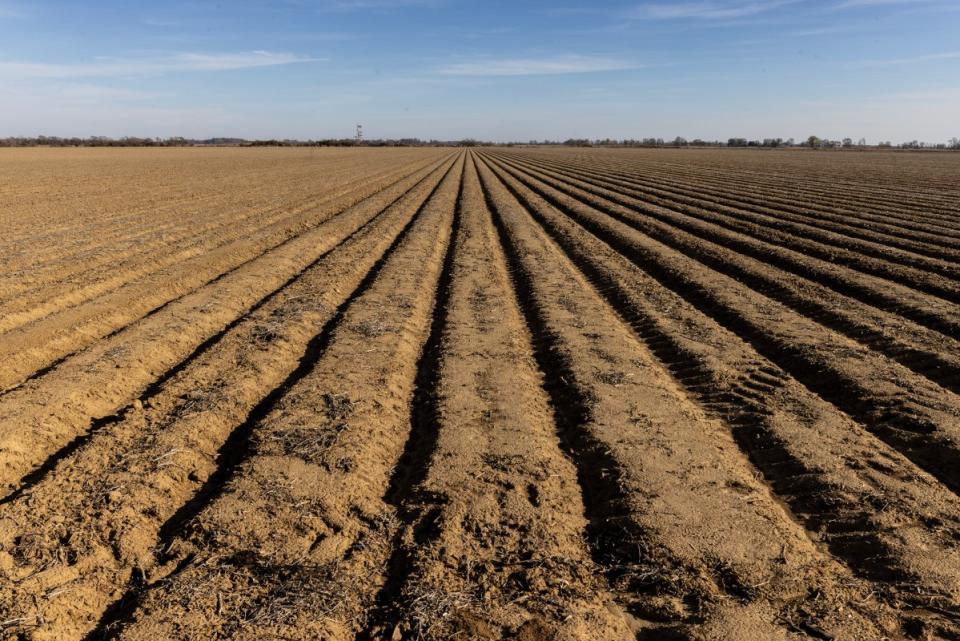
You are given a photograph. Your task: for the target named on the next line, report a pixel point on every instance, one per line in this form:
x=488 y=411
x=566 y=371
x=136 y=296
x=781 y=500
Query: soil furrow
x=807 y=206
x=44 y=415
x=658 y=518
x=175 y=206
x=854 y=205
x=924 y=351
x=901 y=202
x=849 y=220
x=292 y=543
x=38 y=344
x=892 y=525
x=525 y=393
x=915 y=416
x=667 y=225
x=84 y=278
x=491 y=544
x=115 y=202
x=175 y=453
x=364 y=193
x=116 y=235
x=932 y=275
x=746 y=214
x=421 y=442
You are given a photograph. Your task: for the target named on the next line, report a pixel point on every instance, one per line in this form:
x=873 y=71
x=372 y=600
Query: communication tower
x=359 y=134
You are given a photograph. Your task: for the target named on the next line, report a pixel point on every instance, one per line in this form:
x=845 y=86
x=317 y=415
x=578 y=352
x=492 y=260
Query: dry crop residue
x=526 y=394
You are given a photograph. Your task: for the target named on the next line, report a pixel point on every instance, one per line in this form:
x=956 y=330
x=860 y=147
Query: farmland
x=496 y=393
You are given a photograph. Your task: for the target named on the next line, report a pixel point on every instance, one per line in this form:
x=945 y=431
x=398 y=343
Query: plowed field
x=534 y=394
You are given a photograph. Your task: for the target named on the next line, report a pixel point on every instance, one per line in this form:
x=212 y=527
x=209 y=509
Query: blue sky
x=880 y=69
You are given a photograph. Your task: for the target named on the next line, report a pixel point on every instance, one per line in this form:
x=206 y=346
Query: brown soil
x=533 y=394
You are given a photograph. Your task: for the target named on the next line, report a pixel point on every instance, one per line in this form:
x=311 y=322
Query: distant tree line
x=100 y=141
x=815 y=142
x=132 y=141
x=812 y=142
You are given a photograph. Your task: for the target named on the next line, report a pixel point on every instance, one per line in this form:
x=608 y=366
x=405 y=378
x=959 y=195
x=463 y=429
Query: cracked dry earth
x=489 y=393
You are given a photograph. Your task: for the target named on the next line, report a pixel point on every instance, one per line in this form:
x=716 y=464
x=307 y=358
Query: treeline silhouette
x=133 y=141
x=813 y=142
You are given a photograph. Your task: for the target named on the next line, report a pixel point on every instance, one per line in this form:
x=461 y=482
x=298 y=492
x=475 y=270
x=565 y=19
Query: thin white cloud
x=931 y=57
x=535 y=66
x=704 y=10
x=119 y=67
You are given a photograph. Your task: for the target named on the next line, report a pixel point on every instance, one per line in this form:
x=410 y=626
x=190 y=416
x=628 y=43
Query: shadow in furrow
x=925 y=362
x=846 y=287
x=631 y=561
x=37 y=475
x=741 y=404
x=890 y=419
x=56 y=363
x=812 y=201
x=803 y=210
x=29 y=481
x=239 y=445
x=417 y=512
x=743 y=214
